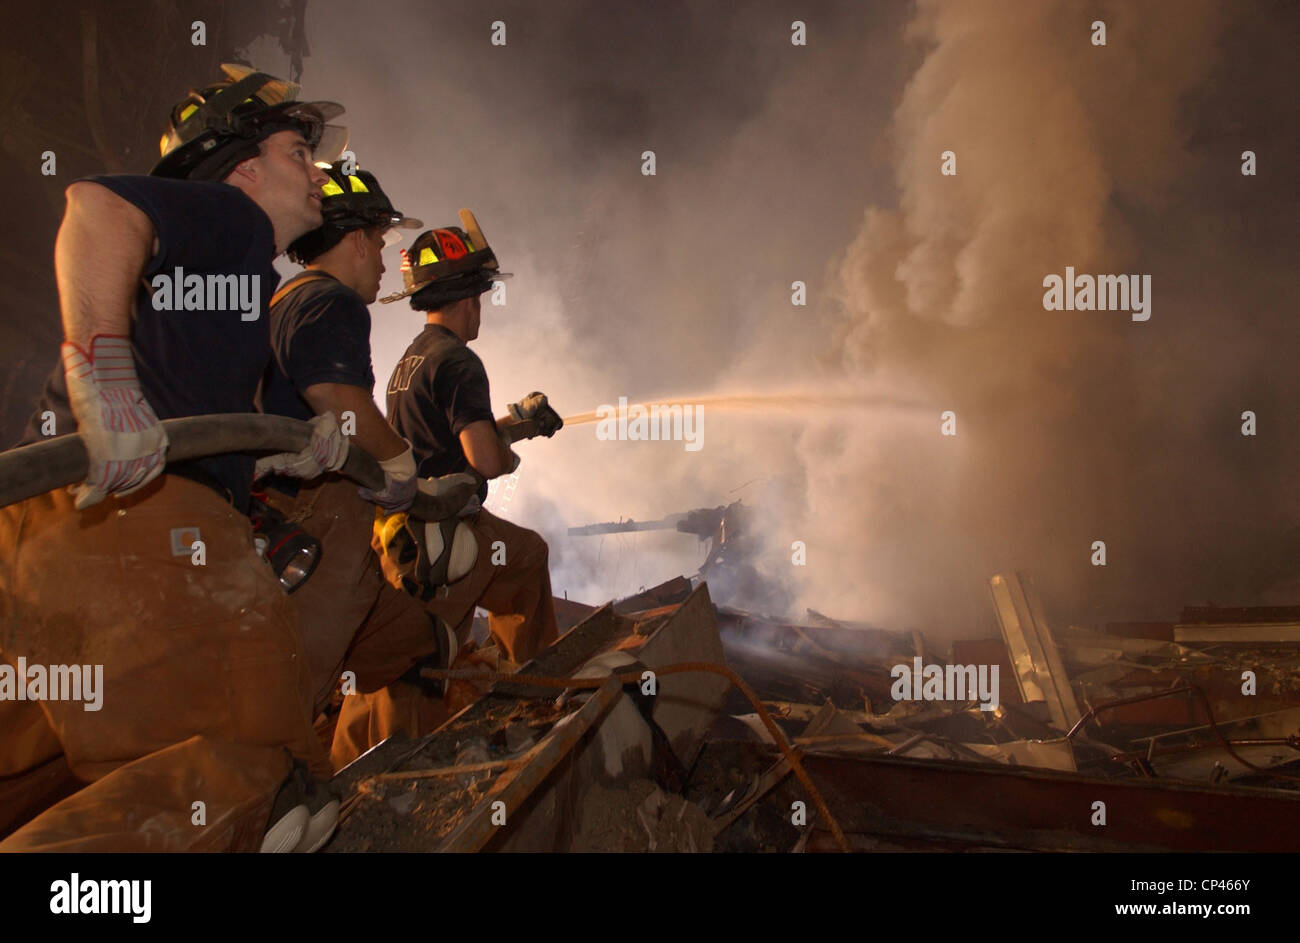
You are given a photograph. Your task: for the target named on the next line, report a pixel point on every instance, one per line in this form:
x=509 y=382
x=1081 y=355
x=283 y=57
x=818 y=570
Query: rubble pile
x=1185 y=735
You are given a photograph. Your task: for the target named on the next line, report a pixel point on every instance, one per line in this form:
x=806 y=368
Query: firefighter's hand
x=125 y=443
x=326 y=452
x=400 y=483
x=535 y=406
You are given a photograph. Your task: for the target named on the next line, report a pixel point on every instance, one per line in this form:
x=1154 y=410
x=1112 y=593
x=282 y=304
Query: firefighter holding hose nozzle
x=438 y=399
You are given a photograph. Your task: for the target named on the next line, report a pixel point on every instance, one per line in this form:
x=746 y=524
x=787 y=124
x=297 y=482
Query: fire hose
x=31 y=470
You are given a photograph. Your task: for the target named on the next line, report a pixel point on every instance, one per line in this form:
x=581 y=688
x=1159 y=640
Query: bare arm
x=484 y=450
x=506 y=424
x=373 y=434
x=100 y=254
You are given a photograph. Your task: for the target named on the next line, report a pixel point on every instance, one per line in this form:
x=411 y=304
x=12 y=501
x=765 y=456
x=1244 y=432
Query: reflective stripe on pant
x=205 y=687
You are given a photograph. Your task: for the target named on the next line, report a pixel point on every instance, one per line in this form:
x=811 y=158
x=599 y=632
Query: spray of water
x=766 y=402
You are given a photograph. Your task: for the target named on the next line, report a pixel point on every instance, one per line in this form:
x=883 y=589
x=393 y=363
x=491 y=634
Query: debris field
x=1129 y=737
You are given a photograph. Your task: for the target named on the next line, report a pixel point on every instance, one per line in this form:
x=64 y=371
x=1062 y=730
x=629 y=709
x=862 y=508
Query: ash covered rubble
x=1127 y=737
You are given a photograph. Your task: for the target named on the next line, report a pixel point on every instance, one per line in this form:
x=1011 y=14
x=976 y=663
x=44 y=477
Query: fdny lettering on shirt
x=405 y=370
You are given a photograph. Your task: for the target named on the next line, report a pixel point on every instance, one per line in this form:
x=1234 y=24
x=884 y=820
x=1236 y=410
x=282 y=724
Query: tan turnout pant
x=517 y=594
x=205 y=686
x=350 y=618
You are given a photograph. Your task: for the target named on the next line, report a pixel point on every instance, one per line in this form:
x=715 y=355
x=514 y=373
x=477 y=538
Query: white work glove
x=326 y=452
x=125 y=442
x=400 y=483
x=437 y=487
x=450 y=494
x=535 y=406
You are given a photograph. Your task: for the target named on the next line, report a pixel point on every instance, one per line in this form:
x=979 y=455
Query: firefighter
x=438 y=400
x=351 y=619
x=203 y=739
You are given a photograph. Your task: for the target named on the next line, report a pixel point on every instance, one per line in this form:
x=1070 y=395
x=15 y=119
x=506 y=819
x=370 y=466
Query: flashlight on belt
x=291 y=551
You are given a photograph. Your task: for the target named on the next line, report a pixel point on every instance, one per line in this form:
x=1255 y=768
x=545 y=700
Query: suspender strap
x=295 y=283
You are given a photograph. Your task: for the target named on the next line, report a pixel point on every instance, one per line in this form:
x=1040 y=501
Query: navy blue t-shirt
x=320 y=333
x=437 y=389
x=202 y=356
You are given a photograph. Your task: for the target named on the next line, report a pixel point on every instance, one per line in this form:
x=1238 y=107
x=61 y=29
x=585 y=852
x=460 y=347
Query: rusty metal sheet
x=1239 y=615
x=997 y=806
x=1244 y=633
x=569 y=613
x=673 y=591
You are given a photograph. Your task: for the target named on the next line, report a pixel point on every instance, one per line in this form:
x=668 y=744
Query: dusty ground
x=414 y=815
x=640 y=817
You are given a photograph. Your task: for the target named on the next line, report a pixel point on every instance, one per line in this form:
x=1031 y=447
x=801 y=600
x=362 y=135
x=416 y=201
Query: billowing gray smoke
x=1072 y=426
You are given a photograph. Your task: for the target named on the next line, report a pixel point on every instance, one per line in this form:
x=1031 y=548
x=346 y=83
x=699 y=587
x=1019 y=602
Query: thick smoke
x=1073 y=427
x=626 y=285
x=772 y=160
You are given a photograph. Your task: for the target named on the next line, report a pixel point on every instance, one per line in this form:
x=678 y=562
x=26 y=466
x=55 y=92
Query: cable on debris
x=1209 y=712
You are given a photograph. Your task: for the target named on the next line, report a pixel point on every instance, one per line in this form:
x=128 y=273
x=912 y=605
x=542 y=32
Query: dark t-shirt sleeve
x=192 y=222
x=461 y=387
x=333 y=349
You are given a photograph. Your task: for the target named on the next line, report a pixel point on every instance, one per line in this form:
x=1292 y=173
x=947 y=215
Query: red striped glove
x=326 y=452
x=125 y=443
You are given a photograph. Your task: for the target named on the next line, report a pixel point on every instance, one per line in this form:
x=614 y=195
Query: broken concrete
x=684 y=762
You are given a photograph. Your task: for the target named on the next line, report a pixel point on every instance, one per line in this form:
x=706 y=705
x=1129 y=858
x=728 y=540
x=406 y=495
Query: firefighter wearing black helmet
x=439 y=399
x=320 y=332
x=205 y=696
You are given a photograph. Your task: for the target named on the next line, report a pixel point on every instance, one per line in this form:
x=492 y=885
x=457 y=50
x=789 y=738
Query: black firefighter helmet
x=446 y=265
x=215 y=128
x=348 y=202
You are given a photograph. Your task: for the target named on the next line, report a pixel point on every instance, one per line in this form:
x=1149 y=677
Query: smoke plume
x=821 y=164
x=1072 y=427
